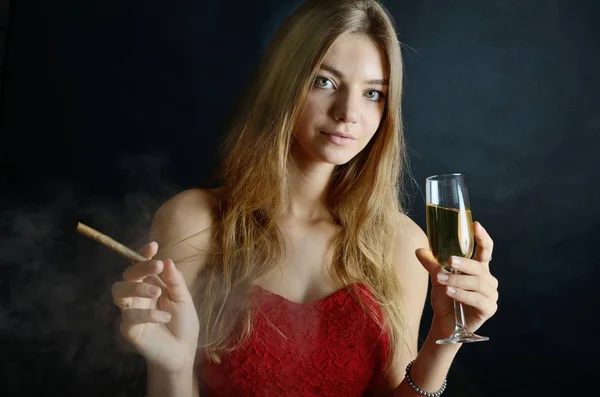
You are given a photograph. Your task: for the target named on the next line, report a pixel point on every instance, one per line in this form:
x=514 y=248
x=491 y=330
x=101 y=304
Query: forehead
x=357 y=56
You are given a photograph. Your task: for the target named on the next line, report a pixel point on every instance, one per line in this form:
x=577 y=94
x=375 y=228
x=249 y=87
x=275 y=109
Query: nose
x=346 y=108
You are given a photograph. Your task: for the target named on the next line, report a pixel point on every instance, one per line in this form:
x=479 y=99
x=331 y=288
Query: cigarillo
x=110 y=243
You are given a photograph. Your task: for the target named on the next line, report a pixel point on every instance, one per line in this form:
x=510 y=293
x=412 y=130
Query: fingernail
x=165 y=316
x=455 y=261
x=442 y=276
x=451 y=290
x=153 y=290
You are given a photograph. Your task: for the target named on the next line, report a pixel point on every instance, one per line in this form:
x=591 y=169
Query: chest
x=330 y=347
x=305 y=272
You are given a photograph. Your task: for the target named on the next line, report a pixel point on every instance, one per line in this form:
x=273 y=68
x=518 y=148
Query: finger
x=469 y=283
x=149 y=250
x=427 y=259
x=473 y=299
x=467 y=266
x=128 y=289
x=485 y=244
x=143 y=316
x=430 y=264
x=132 y=317
x=124 y=303
x=141 y=270
x=175 y=283
x=156 y=281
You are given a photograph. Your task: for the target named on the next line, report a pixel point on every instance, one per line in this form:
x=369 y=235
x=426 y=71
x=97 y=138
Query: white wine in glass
x=450 y=233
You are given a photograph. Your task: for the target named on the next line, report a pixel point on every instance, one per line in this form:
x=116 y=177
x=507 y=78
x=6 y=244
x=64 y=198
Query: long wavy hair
x=363 y=195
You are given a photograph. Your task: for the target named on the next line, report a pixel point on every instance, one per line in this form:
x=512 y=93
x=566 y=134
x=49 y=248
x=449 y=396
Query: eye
x=375 y=95
x=322 y=82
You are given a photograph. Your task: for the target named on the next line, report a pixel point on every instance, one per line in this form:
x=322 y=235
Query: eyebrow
x=339 y=74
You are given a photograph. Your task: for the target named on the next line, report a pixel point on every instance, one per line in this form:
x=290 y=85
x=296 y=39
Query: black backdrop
x=109 y=107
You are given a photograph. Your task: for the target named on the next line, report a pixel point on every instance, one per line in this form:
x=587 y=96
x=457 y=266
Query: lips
x=340 y=134
x=338 y=138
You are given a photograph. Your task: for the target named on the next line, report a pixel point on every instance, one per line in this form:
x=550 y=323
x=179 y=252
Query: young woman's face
x=346 y=102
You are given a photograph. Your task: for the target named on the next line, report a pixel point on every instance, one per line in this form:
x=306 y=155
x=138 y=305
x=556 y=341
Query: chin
x=336 y=159
x=326 y=155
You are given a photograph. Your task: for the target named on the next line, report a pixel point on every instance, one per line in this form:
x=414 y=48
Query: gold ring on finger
x=124 y=304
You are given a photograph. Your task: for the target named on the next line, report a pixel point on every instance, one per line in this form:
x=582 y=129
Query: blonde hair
x=363 y=195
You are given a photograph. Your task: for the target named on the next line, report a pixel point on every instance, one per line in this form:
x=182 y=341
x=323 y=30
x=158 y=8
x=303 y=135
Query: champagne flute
x=450 y=233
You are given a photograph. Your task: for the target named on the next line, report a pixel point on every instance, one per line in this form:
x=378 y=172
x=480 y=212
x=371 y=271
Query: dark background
x=109 y=107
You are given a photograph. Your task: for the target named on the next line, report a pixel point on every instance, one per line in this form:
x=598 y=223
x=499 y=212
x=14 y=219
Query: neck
x=308 y=185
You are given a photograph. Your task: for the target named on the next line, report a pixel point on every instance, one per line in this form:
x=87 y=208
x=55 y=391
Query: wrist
x=430 y=368
x=163 y=382
x=182 y=369
x=408 y=379
x=433 y=351
x=442 y=326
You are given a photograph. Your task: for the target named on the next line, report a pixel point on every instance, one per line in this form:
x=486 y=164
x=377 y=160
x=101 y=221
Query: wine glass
x=450 y=233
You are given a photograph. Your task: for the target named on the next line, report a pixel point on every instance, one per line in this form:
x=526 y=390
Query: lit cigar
x=110 y=243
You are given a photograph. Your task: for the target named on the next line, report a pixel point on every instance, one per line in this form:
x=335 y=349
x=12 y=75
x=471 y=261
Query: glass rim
x=442 y=176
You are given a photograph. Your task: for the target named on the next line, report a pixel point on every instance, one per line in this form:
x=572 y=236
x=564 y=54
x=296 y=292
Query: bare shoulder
x=185 y=209
x=412 y=275
x=409 y=235
x=182 y=227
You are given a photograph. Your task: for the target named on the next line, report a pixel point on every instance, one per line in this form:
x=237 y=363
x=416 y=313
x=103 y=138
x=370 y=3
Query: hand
x=475 y=287
x=159 y=317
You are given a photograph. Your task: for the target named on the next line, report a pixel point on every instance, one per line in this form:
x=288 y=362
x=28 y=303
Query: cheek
x=313 y=112
x=372 y=121
x=315 y=107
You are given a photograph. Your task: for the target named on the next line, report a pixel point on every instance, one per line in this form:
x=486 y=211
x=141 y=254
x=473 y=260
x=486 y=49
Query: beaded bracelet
x=418 y=389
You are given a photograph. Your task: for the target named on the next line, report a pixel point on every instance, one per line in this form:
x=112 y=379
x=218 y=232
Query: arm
x=432 y=361
x=475 y=287
x=163 y=384
x=181 y=227
x=430 y=366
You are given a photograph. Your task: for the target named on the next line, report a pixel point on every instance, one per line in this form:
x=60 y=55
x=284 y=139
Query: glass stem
x=459 y=317
x=459 y=313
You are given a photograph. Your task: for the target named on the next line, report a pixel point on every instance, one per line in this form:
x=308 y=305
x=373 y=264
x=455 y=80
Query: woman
x=301 y=275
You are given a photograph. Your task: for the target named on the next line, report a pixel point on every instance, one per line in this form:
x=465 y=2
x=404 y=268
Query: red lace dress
x=326 y=348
